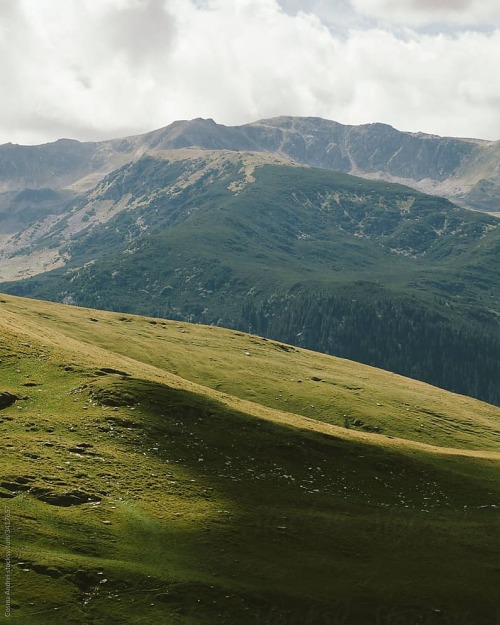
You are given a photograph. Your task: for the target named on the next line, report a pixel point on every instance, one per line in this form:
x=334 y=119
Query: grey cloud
x=439 y=5
x=141 y=30
x=82 y=77
x=457 y=14
x=15 y=44
x=9 y=10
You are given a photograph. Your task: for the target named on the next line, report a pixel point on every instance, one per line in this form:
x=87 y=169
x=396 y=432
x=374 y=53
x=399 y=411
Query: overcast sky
x=95 y=69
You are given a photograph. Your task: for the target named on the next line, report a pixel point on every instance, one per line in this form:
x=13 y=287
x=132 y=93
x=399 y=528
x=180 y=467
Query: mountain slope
x=138 y=491
x=463 y=170
x=331 y=262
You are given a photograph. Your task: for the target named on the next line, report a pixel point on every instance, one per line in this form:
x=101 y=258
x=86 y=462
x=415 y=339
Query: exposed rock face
x=66 y=498
x=7 y=399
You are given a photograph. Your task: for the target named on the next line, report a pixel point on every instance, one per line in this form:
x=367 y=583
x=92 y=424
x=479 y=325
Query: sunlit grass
x=214 y=500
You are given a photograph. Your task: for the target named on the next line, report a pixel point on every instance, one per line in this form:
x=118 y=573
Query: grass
x=217 y=501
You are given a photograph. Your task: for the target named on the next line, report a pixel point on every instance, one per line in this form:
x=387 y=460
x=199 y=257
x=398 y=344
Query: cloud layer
x=421 y=12
x=91 y=70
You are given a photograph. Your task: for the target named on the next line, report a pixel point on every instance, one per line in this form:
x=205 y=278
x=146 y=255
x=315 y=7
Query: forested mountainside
x=362 y=269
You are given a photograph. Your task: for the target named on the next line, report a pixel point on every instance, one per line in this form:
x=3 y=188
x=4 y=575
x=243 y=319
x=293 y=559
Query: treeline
x=426 y=339
x=397 y=334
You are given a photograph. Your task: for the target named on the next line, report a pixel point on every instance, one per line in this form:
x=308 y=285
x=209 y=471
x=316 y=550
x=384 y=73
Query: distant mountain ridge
x=39 y=184
x=466 y=171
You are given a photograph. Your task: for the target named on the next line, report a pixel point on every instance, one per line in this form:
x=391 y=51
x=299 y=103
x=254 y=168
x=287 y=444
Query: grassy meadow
x=161 y=472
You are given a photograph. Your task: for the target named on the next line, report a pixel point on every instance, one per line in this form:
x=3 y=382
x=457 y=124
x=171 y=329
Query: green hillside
x=361 y=269
x=161 y=472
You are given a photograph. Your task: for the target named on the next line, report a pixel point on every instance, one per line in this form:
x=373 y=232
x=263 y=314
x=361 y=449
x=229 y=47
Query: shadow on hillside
x=306 y=536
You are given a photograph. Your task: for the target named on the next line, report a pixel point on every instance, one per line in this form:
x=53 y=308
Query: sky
x=98 y=69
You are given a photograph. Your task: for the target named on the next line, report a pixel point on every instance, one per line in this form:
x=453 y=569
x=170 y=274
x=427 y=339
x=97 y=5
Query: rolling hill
x=158 y=471
x=367 y=270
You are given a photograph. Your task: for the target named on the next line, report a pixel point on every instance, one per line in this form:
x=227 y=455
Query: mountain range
x=464 y=170
x=250 y=228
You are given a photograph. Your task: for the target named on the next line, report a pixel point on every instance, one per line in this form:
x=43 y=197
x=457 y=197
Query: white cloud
x=91 y=70
x=433 y=83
